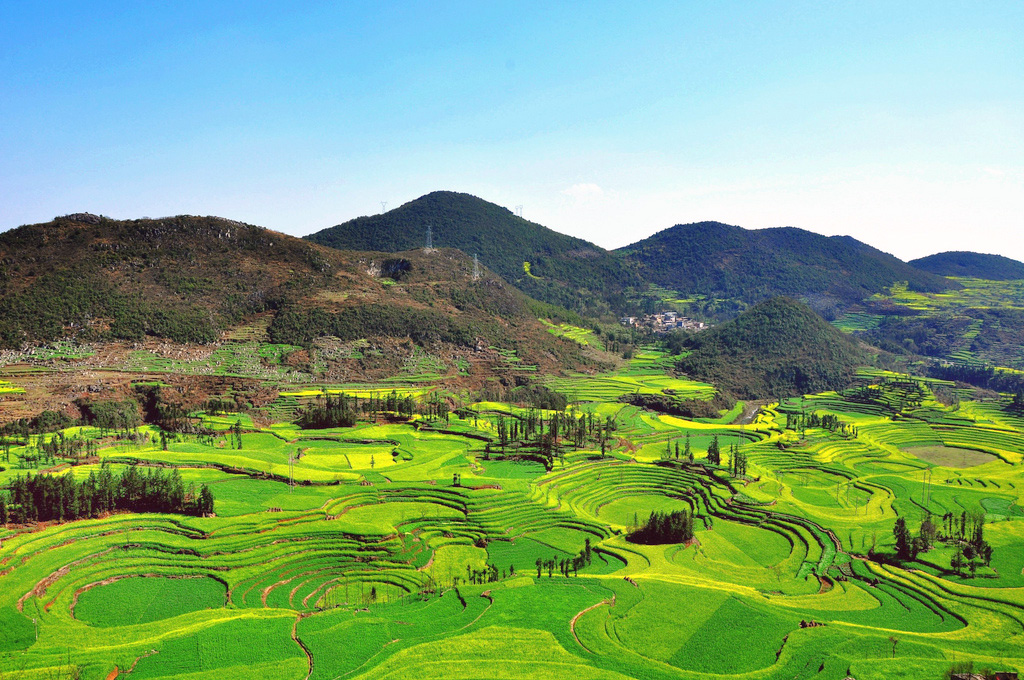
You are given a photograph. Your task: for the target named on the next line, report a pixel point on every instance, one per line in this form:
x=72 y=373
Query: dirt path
x=300 y=643
x=572 y=624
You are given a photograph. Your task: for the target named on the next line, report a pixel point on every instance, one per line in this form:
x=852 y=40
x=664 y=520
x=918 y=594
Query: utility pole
x=291 y=472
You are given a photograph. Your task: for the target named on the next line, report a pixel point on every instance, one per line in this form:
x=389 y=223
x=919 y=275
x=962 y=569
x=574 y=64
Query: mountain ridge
x=722 y=260
x=971 y=264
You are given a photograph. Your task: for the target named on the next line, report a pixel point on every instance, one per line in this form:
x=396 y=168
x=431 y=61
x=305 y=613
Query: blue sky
x=901 y=124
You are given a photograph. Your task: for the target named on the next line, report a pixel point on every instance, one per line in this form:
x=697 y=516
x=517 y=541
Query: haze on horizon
x=901 y=125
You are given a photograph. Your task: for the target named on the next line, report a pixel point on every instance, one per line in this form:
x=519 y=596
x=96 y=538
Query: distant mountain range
x=976 y=265
x=190 y=278
x=708 y=258
x=720 y=260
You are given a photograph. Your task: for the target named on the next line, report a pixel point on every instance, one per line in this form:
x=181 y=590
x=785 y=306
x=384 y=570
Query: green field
x=411 y=549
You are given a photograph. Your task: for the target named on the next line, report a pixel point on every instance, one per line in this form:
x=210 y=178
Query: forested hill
x=184 y=278
x=561 y=269
x=719 y=260
x=977 y=265
x=777 y=348
x=189 y=279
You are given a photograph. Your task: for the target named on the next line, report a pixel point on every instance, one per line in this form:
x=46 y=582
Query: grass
x=132 y=601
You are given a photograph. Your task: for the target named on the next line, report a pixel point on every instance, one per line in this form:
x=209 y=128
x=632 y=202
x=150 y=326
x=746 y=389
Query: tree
x=927 y=532
x=904 y=541
x=715 y=452
x=540 y=565
x=205 y=501
x=956 y=562
x=4 y=518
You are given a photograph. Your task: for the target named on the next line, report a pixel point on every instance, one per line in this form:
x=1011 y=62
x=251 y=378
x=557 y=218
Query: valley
x=394 y=464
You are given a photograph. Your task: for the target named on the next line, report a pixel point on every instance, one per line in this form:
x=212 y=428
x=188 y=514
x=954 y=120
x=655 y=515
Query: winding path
x=572 y=624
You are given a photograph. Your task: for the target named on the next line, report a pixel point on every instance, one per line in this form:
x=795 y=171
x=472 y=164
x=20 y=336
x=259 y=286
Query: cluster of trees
x=687 y=408
x=965 y=532
x=47 y=421
x=45 y=497
x=566 y=564
x=530 y=395
x=664 y=527
x=117 y=417
x=739 y=461
x=546 y=436
x=297 y=326
x=489 y=574
x=343 y=410
x=800 y=422
x=987 y=377
x=41 y=449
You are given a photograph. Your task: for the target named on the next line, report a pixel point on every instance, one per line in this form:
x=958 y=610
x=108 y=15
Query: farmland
x=466 y=542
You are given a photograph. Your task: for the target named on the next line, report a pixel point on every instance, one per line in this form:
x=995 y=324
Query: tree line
x=46 y=497
x=343 y=410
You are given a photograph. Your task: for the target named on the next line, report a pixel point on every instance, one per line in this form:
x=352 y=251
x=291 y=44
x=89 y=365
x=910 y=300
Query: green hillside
x=777 y=348
x=974 y=265
x=719 y=260
x=193 y=279
x=545 y=264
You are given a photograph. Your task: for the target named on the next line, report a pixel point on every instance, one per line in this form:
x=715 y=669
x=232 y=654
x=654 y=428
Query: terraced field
x=431 y=548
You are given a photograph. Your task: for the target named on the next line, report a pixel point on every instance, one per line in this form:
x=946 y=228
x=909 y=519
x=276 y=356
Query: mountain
x=777 y=348
x=543 y=263
x=190 y=279
x=723 y=261
x=976 y=265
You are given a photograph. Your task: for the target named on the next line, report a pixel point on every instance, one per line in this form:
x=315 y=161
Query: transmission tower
x=383 y=206
x=519 y=211
x=476 y=268
x=430 y=239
